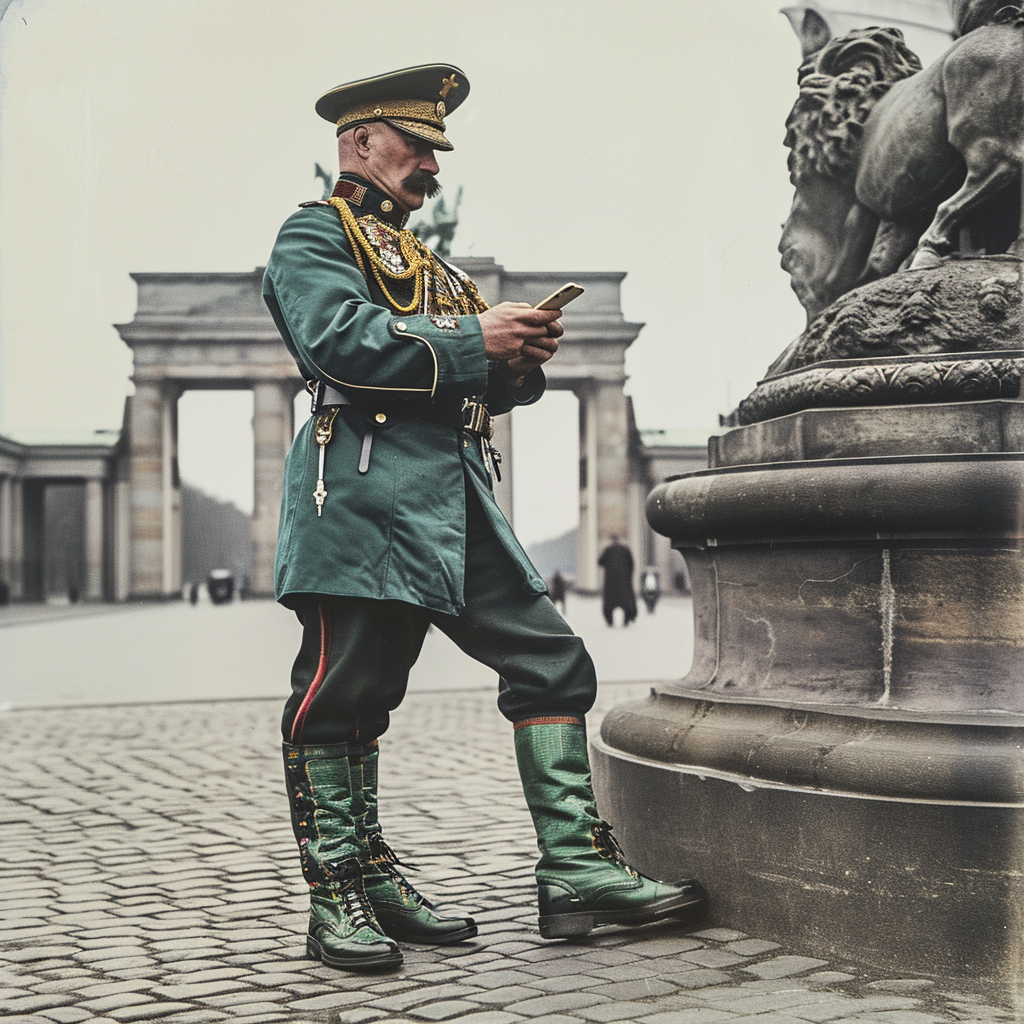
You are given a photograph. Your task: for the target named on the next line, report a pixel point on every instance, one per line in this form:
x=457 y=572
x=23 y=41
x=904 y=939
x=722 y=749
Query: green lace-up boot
x=583 y=879
x=343 y=931
x=403 y=913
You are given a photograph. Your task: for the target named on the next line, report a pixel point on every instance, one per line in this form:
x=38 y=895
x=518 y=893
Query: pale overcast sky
x=168 y=135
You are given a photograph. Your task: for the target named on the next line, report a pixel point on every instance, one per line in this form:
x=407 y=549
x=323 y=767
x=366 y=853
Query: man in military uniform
x=389 y=524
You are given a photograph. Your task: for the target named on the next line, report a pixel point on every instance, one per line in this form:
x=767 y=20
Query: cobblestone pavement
x=147 y=873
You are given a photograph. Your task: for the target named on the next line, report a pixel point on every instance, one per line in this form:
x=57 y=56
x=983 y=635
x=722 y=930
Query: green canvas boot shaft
x=404 y=913
x=343 y=931
x=583 y=879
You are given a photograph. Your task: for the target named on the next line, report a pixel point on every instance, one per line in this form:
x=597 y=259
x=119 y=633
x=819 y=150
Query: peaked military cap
x=413 y=100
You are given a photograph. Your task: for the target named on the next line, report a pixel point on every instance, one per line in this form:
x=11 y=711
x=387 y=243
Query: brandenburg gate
x=212 y=331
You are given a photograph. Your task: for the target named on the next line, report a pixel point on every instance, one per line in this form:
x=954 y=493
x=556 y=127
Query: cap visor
x=420 y=131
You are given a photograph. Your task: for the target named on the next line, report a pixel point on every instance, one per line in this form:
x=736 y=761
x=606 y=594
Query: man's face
x=401 y=165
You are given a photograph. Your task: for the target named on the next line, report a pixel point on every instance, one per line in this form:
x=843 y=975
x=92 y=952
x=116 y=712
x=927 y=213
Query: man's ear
x=361 y=136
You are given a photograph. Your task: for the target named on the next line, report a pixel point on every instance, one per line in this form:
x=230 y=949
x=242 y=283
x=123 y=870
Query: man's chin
x=413 y=200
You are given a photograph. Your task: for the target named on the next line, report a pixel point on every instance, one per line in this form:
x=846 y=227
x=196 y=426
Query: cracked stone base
x=841 y=766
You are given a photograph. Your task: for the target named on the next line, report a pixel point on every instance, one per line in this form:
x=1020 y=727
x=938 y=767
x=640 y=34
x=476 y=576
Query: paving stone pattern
x=147 y=872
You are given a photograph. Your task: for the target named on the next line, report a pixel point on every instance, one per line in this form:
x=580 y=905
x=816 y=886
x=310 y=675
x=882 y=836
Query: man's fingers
x=543 y=341
x=537 y=317
x=538 y=354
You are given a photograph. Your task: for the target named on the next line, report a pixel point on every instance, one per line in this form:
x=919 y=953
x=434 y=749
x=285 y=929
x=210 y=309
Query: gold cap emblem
x=440 y=110
x=447 y=84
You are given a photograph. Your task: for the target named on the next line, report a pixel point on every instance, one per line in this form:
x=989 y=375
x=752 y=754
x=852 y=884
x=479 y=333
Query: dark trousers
x=354 y=660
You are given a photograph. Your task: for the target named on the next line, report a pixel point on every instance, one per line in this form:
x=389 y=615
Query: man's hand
x=524 y=337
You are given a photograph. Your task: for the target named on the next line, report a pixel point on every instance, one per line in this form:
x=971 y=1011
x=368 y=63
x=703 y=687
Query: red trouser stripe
x=321 y=671
x=550 y=720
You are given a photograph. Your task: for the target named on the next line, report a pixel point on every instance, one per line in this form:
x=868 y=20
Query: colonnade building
x=211 y=331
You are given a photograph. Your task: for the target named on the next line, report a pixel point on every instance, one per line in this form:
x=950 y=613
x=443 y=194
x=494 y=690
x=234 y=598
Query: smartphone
x=562 y=297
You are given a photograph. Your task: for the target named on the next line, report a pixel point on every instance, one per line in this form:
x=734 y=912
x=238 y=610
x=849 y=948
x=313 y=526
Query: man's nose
x=430 y=164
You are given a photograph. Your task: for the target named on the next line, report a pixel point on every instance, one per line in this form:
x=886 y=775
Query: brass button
x=401 y=326
x=387 y=206
x=465 y=443
x=380 y=417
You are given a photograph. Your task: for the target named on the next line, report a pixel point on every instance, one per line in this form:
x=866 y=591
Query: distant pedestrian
x=617 y=562
x=193 y=593
x=650 y=588
x=556 y=590
x=681 y=580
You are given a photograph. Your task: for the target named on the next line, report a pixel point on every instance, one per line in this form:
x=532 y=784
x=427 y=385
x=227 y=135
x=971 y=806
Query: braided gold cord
x=422 y=267
x=359 y=241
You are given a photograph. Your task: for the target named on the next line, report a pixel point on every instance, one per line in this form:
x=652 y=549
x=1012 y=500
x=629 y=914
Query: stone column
x=122 y=540
x=272 y=421
x=171 y=485
x=94 y=533
x=146 y=427
x=32 y=510
x=611 y=464
x=587 y=575
x=6 y=534
x=17 y=538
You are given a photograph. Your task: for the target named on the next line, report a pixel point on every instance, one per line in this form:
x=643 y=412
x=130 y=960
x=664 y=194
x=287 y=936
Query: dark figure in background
x=617 y=562
x=650 y=588
x=556 y=590
x=193 y=593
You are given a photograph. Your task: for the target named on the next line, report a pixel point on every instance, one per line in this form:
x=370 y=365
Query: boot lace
x=608 y=846
x=383 y=857
x=381 y=853
x=348 y=889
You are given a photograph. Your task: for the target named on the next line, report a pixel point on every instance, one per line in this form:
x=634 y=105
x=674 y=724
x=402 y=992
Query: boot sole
x=375 y=962
x=430 y=939
x=565 y=926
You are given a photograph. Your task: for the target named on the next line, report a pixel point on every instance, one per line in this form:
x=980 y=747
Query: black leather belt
x=473 y=416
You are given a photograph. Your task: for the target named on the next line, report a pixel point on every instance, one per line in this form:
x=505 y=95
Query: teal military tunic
x=398 y=464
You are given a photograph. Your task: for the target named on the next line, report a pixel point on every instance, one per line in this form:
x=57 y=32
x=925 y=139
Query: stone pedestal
x=842 y=768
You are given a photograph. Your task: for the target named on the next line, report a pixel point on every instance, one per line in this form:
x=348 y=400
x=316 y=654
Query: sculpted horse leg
x=983 y=83
x=991 y=167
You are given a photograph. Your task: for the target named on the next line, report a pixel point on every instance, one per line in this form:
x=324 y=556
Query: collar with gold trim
x=365 y=198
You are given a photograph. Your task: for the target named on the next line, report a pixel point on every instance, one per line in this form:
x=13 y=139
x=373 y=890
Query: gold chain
x=417 y=269
x=422 y=268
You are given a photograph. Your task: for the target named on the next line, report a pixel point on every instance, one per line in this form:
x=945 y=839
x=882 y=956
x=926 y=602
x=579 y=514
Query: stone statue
x=895 y=166
x=442 y=229
x=856 y=545
x=325 y=177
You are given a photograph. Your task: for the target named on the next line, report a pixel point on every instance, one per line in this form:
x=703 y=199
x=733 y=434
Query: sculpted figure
x=895 y=166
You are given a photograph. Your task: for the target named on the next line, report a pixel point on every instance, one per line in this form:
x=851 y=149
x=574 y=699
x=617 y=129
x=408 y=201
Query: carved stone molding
x=894 y=381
